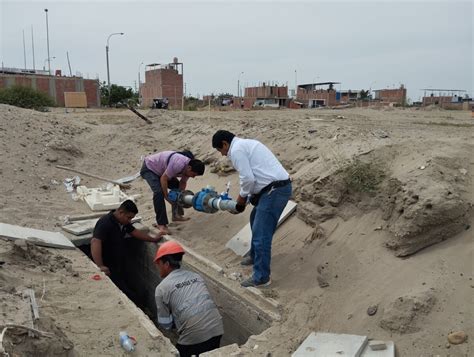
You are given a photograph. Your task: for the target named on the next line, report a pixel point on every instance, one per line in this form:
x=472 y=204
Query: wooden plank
x=36 y=236
x=30 y=293
x=75 y=100
x=240 y=243
x=121 y=185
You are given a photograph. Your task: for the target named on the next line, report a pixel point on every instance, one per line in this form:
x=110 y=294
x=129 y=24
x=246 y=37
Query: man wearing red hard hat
x=183 y=300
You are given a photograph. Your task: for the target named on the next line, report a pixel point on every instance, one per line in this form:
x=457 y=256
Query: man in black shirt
x=108 y=240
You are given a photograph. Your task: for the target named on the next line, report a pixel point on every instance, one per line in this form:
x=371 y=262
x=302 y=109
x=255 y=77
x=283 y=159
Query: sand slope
x=340 y=254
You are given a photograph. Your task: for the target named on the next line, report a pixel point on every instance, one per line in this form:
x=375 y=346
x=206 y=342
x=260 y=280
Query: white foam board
x=240 y=243
x=36 y=236
x=331 y=345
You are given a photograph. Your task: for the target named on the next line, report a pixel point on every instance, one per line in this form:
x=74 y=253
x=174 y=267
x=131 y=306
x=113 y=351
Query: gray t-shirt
x=183 y=297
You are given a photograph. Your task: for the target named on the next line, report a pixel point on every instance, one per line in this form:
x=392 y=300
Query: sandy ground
x=405 y=246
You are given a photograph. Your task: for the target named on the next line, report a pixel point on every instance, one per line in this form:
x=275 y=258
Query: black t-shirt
x=112 y=235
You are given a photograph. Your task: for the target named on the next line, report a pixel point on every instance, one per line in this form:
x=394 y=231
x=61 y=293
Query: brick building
x=163 y=81
x=54 y=86
x=391 y=96
x=264 y=96
x=314 y=95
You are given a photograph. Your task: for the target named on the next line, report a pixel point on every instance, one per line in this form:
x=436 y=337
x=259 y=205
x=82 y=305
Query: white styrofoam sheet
x=240 y=243
x=331 y=345
x=36 y=236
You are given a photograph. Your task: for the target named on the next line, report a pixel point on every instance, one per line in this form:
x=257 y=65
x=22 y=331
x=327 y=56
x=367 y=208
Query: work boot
x=250 y=283
x=246 y=261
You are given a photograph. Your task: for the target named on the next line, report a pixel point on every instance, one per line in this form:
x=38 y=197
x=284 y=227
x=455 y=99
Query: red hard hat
x=167 y=248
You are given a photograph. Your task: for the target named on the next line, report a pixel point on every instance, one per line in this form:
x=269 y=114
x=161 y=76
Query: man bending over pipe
x=108 y=241
x=266 y=184
x=183 y=299
x=161 y=170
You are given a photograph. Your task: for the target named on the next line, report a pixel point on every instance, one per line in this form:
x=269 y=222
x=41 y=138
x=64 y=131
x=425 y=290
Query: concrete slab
x=102 y=199
x=331 y=345
x=240 y=243
x=36 y=236
x=388 y=352
x=87 y=226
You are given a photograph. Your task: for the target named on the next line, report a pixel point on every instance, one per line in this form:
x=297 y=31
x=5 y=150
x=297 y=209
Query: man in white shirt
x=266 y=184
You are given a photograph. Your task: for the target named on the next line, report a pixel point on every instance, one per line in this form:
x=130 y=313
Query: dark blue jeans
x=263 y=222
x=158 y=197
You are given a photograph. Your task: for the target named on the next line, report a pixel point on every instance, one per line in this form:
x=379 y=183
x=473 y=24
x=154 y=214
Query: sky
x=363 y=45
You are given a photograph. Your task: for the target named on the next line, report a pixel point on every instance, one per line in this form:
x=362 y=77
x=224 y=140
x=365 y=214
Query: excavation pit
x=242 y=312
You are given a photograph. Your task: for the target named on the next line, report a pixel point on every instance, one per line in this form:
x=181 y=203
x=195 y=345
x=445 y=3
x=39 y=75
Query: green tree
x=118 y=95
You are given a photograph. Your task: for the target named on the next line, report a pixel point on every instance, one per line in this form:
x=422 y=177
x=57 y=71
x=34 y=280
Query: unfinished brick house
x=320 y=94
x=264 y=96
x=54 y=86
x=391 y=96
x=445 y=98
x=163 y=81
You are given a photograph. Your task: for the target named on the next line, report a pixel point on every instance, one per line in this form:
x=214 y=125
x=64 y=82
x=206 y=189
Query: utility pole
x=33 y=49
x=24 y=49
x=107 y=57
x=47 y=41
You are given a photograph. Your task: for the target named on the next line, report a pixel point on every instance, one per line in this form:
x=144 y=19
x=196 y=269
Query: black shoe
x=247 y=261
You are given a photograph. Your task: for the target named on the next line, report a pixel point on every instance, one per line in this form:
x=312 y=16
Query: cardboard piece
x=331 y=344
x=240 y=243
x=36 y=236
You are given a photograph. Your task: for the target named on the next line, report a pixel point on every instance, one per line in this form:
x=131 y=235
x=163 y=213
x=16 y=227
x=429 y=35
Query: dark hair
x=173 y=259
x=197 y=166
x=220 y=136
x=128 y=206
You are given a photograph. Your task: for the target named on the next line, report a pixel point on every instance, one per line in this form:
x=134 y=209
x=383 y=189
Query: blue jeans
x=263 y=222
x=158 y=197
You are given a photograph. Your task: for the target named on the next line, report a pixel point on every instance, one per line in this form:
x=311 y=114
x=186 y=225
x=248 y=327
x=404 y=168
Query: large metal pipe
x=207 y=200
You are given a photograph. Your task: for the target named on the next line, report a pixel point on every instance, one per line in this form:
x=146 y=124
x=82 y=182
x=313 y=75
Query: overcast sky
x=364 y=45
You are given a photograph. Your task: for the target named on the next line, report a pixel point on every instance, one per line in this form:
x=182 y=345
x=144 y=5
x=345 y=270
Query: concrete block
x=36 y=236
x=240 y=243
x=102 y=199
x=377 y=345
x=389 y=350
x=331 y=344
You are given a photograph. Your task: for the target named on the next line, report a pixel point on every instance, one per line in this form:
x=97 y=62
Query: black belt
x=274 y=184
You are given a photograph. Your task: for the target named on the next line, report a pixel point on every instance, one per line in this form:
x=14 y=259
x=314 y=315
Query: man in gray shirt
x=183 y=300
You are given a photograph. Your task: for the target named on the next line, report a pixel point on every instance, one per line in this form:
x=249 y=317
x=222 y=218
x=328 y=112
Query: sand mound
x=402 y=314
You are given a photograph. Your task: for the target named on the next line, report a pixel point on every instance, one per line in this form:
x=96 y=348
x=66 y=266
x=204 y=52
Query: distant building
x=264 y=96
x=320 y=94
x=54 y=86
x=445 y=98
x=391 y=96
x=163 y=81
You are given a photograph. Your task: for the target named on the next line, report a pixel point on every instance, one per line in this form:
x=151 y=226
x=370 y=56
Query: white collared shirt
x=256 y=164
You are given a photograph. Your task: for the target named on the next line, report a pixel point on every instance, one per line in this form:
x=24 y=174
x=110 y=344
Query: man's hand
x=156 y=238
x=239 y=208
x=105 y=270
